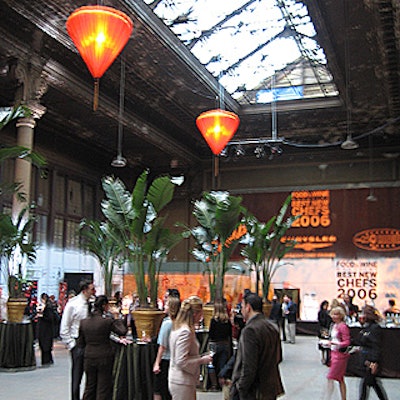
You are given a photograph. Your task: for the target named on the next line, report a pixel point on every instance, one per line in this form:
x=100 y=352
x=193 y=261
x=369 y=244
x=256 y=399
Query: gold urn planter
x=266 y=307
x=208 y=310
x=16 y=309
x=147 y=322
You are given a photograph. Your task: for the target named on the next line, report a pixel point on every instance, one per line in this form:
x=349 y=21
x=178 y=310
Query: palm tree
x=265 y=248
x=15 y=240
x=98 y=240
x=15 y=235
x=219 y=232
x=139 y=229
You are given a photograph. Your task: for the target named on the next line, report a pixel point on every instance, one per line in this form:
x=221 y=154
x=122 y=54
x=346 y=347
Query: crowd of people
x=336 y=344
x=87 y=326
x=244 y=345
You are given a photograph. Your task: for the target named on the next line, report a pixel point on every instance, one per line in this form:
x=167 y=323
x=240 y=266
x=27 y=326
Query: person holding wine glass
x=185 y=361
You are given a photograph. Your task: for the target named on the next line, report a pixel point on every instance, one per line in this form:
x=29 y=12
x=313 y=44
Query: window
x=244 y=43
x=58 y=238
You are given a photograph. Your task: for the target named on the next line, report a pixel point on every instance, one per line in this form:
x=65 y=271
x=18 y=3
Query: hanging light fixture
x=217 y=127
x=349 y=143
x=120 y=161
x=371 y=196
x=99 y=33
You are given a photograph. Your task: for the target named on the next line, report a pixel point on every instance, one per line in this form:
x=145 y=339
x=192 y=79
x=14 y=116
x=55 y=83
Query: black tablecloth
x=133 y=369
x=390 y=360
x=133 y=372
x=202 y=337
x=16 y=347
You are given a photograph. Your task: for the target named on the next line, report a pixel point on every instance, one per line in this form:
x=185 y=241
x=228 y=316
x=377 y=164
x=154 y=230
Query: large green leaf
x=135 y=216
x=161 y=192
x=264 y=249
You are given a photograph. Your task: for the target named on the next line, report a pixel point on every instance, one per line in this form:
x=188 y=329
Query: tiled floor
x=302 y=372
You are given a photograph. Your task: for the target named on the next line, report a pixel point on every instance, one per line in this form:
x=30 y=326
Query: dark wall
x=349 y=213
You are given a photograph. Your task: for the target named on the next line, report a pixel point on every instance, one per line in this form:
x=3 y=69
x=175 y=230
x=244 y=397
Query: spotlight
x=224 y=152
x=275 y=151
x=239 y=151
x=259 y=151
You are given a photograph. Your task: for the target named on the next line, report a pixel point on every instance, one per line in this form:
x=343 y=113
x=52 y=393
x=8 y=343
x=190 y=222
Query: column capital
x=37 y=109
x=33 y=85
x=28 y=122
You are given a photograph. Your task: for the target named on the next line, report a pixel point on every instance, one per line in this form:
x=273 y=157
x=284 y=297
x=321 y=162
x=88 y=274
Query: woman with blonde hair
x=340 y=340
x=161 y=364
x=185 y=359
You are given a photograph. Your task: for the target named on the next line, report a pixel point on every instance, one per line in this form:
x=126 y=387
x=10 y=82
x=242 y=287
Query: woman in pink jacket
x=184 y=367
x=340 y=340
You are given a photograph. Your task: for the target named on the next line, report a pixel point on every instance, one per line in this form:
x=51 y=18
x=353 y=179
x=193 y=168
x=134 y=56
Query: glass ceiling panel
x=259 y=50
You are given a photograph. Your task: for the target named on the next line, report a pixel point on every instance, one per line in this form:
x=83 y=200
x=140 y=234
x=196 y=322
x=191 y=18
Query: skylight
x=259 y=50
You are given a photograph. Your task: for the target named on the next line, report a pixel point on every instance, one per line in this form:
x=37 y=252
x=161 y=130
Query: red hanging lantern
x=99 y=33
x=217 y=127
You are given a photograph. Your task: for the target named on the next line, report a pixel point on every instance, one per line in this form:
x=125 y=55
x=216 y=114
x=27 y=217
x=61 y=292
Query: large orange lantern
x=217 y=127
x=99 y=33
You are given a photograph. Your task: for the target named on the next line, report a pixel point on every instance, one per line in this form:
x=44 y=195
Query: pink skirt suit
x=340 y=335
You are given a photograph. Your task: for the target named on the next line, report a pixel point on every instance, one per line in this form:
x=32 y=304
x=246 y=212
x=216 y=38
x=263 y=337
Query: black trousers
x=370 y=380
x=77 y=354
x=47 y=357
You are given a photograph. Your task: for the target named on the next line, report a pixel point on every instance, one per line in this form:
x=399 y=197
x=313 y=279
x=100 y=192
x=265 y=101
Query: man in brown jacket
x=256 y=373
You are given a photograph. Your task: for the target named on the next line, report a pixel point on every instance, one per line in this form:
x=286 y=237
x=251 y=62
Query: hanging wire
x=347 y=69
x=274 y=128
x=120 y=161
x=121 y=105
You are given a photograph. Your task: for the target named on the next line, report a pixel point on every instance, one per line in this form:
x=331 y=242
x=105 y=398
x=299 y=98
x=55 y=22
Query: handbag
x=324 y=333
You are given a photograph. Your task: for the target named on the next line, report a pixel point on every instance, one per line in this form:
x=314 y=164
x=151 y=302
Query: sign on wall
x=358 y=279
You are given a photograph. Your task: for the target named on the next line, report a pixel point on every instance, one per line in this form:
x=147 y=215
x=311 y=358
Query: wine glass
x=212 y=350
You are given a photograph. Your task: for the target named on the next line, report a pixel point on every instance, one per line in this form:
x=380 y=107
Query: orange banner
x=195 y=284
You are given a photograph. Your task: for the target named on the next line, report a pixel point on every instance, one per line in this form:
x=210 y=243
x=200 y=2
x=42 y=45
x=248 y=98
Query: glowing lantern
x=99 y=33
x=217 y=127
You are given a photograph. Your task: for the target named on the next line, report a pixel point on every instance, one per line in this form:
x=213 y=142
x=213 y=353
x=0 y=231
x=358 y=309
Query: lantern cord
x=96 y=94
x=216 y=170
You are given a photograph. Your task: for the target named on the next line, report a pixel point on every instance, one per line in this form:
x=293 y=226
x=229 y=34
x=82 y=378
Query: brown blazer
x=256 y=373
x=94 y=335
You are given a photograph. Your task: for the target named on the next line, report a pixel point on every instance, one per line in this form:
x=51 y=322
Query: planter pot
x=114 y=310
x=267 y=309
x=147 y=322
x=208 y=311
x=15 y=309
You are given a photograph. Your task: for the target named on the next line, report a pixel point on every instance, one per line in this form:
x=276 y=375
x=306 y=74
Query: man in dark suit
x=276 y=315
x=256 y=373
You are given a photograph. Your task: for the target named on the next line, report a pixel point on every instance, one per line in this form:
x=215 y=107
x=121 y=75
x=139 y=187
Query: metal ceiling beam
x=59 y=77
x=165 y=35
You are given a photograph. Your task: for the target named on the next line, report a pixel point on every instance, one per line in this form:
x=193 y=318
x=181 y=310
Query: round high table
x=133 y=371
x=16 y=347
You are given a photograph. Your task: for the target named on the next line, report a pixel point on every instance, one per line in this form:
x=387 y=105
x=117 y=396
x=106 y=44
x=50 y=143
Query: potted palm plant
x=16 y=247
x=219 y=231
x=141 y=231
x=264 y=249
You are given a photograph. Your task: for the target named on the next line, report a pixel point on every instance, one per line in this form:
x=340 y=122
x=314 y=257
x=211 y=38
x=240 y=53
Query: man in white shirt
x=76 y=309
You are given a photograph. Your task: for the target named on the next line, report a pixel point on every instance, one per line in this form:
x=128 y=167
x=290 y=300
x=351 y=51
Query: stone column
x=33 y=86
x=23 y=167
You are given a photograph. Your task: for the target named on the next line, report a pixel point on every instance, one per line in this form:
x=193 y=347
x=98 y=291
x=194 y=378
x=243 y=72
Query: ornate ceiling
x=166 y=88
